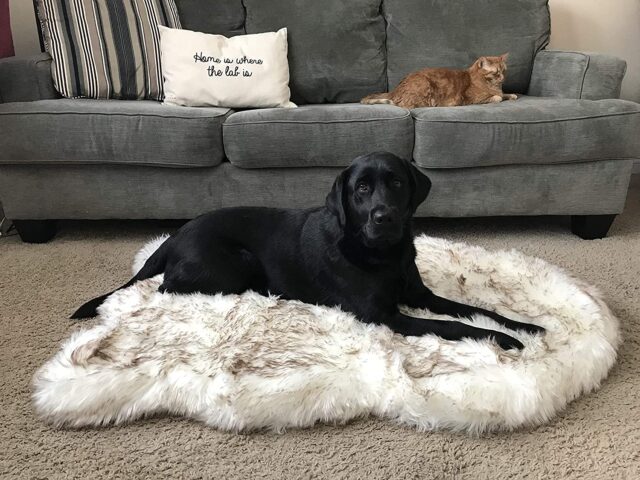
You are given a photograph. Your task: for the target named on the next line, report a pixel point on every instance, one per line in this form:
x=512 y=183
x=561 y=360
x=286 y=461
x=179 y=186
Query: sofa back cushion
x=453 y=33
x=220 y=17
x=336 y=47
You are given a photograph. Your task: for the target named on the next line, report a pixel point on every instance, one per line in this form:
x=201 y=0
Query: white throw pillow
x=247 y=71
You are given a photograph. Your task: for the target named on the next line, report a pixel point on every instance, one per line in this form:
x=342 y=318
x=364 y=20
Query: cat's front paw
x=511 y=96
x=495 y=99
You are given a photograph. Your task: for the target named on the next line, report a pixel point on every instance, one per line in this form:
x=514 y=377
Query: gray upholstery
x=222 y=17
x=589 y=188
x=556 y=152
x=110 y=131
x=336 y=47
x=24 y=79
x=453 y=33
x=530 y=130
x=315 y=135
x=117 y=191
x=577 y=75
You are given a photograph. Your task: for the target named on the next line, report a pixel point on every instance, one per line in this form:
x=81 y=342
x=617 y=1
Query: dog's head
x=376 y=196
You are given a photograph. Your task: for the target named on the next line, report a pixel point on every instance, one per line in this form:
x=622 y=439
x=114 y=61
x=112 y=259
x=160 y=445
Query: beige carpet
x=597 y=437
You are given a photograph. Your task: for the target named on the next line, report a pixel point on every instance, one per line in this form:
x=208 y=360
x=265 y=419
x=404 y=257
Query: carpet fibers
x=597 y=436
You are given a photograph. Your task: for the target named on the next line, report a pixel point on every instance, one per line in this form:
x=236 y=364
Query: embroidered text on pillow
x=246 y=71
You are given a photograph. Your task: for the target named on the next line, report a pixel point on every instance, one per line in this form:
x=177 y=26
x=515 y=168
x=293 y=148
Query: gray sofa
x=566 y=147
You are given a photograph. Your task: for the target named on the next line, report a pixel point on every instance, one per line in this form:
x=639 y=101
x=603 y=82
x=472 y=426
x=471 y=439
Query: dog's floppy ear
x=336 y=198
x=421 y=185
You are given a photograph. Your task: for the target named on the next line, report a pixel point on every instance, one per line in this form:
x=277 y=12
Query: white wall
x=606 y=26
x=23 y=27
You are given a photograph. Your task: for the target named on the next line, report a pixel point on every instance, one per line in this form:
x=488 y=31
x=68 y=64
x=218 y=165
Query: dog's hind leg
x=221 y=269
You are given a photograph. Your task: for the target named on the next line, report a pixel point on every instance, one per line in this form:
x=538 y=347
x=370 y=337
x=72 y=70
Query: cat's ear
x=504 y=56
x=483 y=63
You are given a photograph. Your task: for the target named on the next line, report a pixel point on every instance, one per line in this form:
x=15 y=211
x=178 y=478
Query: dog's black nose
x=381 y=217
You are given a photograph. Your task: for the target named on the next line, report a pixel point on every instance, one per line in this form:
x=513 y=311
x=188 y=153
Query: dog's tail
x=154 y=265
x=377 y=98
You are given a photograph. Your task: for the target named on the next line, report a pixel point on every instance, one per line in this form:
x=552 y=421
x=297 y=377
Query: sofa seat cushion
x=110 y=132
x=315 y=135
x=530 y=130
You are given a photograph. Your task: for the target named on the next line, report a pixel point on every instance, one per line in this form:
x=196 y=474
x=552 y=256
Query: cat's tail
x=378 y=98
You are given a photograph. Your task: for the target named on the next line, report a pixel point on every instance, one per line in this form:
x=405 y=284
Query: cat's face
x=493 y=69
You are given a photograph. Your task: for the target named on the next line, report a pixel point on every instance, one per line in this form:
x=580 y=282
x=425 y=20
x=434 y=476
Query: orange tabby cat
x=445 y=87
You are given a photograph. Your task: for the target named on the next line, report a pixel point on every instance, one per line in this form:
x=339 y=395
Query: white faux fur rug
x=244 y=362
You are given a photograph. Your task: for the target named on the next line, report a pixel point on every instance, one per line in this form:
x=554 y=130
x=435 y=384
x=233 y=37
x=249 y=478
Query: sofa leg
x=36 y=231
x=590 y=227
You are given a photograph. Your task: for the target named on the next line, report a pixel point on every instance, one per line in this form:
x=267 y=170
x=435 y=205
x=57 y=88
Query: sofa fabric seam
x=584 y=74
x=570 y=162
x=315 y=122
x=25 y=163
x=173 y=117
x=532 y=122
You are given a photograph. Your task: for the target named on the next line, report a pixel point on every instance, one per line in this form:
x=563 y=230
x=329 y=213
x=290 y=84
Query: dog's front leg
x=417 y=295
x=449 y=330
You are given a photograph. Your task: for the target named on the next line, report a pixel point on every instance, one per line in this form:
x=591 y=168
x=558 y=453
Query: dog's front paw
x=513 y=325
x=525 y=327
x=506 y=342
x=530 y=328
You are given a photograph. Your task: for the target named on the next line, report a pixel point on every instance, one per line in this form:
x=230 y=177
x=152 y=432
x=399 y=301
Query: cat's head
x=492 y=69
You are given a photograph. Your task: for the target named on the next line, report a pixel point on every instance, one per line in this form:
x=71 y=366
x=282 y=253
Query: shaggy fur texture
x=246 y=362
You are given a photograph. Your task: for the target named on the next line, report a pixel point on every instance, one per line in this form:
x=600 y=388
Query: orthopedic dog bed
x=243 y=362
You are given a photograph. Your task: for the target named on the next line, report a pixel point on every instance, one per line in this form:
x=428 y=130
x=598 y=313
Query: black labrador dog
x=356 y=252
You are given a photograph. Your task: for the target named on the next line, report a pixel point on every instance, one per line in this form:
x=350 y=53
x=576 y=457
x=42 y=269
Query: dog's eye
x=396 y=183
x=363 y=187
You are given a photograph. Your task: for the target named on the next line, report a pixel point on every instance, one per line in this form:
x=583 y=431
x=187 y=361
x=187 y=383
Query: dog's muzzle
x=384 y=227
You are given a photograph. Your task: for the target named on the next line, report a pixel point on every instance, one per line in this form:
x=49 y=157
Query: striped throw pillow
x=106 y=48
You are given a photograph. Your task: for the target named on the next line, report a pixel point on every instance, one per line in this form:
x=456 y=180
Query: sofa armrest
x=25 y=79
x=591 y=76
